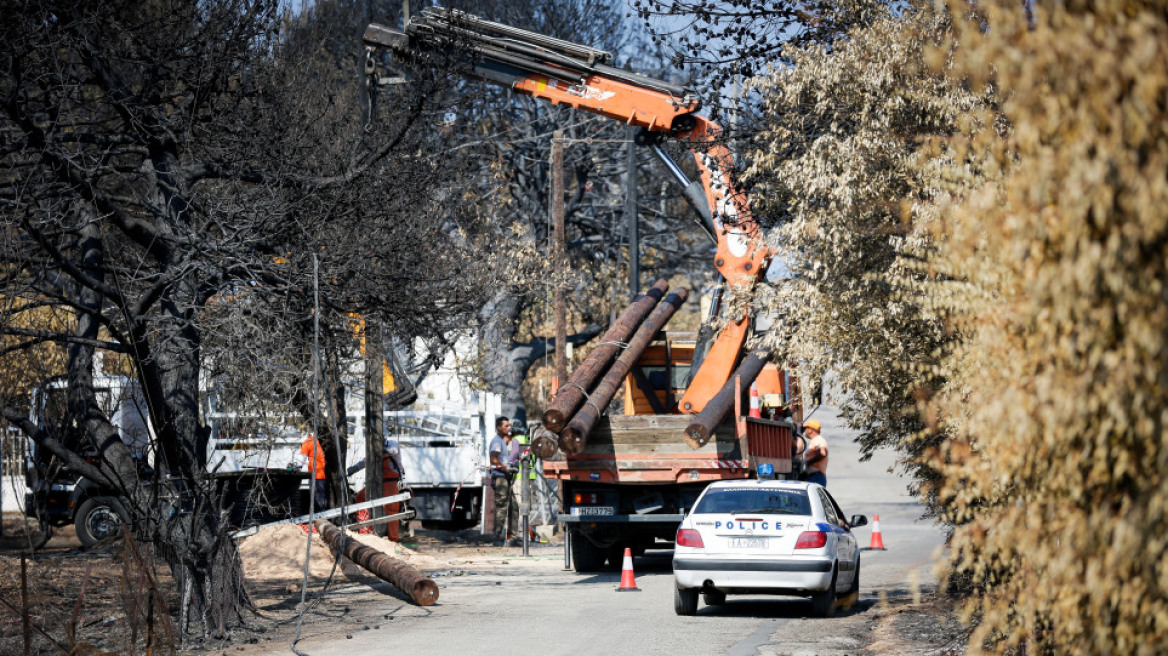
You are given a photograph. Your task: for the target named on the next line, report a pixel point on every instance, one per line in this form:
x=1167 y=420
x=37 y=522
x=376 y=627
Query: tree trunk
x=202 y=556
x=505 y=361
x=188 y=529
x=374 y=422
x=500 y=372
x=93 y=425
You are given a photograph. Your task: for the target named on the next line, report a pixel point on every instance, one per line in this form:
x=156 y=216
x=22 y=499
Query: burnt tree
x=196 y=187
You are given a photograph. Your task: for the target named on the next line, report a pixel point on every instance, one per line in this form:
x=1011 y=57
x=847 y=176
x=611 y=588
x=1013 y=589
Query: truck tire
x=616 y=555
x=586 y=557
x=98 y=519
x=823 y=603
x=39 y=532
x=685 y=601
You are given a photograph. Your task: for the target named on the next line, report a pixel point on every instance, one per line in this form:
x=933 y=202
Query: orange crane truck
x=638 y=472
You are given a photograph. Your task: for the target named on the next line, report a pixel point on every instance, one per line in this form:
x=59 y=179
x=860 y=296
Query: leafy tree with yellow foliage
x=1057 y=397
x=972 y=198
x=844 y=168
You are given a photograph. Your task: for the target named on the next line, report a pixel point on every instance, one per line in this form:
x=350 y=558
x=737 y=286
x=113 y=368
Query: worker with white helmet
x=816 y=455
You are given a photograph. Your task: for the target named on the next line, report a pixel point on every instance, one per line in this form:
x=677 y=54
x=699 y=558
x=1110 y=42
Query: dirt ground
x=927 y=626
x=96 y=602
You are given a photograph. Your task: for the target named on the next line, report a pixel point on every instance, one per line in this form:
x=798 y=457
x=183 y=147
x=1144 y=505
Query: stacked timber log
x=403 y=576
x=589 y=405
x=698 y=433
x=575 y=435
x=572 y=394
x=545 y=443
x=583 y=402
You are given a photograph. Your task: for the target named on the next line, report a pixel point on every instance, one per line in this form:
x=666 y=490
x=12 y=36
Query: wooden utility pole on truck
x=561 y=310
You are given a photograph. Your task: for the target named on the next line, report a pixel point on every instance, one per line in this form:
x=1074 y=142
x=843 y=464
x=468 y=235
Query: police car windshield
x=739 y=500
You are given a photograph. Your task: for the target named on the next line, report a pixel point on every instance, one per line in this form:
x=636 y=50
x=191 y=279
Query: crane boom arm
x=565 y=73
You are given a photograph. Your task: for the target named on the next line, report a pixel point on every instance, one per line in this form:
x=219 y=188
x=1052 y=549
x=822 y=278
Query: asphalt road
x=533 y=606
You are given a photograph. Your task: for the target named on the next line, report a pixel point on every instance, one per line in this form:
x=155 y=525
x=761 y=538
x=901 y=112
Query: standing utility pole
x=631 y=215
x=561 y=312
x=374 y=420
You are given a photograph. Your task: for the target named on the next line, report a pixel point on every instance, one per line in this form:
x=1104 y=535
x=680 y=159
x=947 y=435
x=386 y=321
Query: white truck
x=443 y=440
x=443 y=455
x=249 y=468
x=54 y=495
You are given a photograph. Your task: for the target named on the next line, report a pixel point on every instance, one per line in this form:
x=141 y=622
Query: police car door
x=845 y=543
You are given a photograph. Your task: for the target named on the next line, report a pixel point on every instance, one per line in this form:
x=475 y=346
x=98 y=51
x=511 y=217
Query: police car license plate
x=593 y=510
x=749 y=543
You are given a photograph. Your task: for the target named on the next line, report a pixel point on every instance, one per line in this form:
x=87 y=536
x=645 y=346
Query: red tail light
x=687 y=537
x=811 y=540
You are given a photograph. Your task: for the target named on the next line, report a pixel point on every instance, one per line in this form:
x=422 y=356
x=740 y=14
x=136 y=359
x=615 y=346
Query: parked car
x=766 y=537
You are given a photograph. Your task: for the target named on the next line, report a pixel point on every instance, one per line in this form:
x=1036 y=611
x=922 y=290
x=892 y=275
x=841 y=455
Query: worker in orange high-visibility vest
x=312 y=454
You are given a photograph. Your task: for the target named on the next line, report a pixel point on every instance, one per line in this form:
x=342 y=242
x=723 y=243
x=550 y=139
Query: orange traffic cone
x=877 y=543
x=755 y=409
x=628 y=583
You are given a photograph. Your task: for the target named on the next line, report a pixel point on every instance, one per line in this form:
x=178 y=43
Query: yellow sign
x=388 y=384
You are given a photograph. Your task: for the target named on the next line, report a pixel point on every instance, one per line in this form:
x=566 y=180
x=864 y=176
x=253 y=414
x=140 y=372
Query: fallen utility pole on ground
x=420 y=588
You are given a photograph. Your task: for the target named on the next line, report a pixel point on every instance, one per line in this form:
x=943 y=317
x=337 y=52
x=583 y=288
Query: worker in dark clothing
x=504 y=453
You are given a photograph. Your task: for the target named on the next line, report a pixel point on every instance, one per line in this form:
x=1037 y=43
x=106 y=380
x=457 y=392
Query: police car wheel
x=823 y=603
x=855 y=588
x=99 y=518
x=714 y=597
x=685 y=601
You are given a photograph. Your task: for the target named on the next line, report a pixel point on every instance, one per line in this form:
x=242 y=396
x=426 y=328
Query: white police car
x=766 y=537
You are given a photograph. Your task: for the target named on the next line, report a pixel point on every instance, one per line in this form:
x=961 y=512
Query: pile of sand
x=277 y=553
x=420 y=561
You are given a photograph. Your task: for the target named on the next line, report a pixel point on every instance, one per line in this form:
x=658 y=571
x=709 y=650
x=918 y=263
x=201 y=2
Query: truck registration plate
x=593 y=510
x=749 y=543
